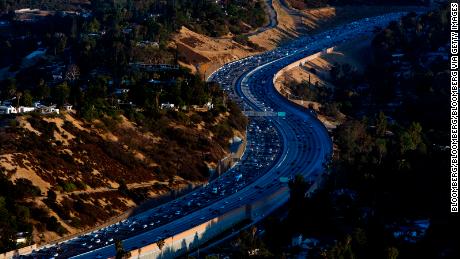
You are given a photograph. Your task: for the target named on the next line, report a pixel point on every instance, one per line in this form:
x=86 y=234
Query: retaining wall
x=301 y=62
x=179 y=244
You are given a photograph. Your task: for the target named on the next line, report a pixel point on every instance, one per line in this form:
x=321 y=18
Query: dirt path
x=273 y=19
x=108 y=189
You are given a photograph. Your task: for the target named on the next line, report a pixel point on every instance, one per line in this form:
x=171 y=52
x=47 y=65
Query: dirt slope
x=98 y=170
x=207 y=54
x=355 y=53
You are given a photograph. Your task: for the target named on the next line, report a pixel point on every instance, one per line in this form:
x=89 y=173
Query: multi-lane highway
x=293 y=143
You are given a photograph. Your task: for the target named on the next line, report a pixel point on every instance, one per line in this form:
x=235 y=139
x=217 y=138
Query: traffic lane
x=143 y=236
x=195 y=219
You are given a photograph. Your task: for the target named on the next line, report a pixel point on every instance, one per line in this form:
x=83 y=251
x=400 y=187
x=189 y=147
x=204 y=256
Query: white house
x=8 y=109
x=46 y=109
x=21 y=237
x=21 y=240
x=24 y=109
x=209 y=105
x=49 y=109
x=168 y=106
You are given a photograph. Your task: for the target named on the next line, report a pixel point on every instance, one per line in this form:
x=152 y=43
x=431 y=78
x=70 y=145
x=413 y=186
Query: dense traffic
x=277 y=146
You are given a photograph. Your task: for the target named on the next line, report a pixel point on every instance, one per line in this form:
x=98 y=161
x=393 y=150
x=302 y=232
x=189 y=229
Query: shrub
x=53 y=225
x=69 y=187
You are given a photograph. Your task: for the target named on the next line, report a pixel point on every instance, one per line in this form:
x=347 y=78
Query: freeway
x=277 y=146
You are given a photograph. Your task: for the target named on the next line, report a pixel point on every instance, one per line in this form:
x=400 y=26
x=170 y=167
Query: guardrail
x=301 y=62
x=181 y=243
x=191 y=239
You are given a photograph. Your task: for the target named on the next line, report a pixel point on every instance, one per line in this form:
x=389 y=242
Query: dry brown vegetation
x=206 y=54
x=88 y=172
x=355 y=53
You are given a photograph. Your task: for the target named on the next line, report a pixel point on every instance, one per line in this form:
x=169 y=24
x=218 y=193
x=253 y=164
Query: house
x=21 y=237
x=49 y=110
x=254 y=252
x=167 y=106
x=67 y=107
x=46 y=109
x=152 y=44
x=209 y=105
x=24 y=109
x=8 y=109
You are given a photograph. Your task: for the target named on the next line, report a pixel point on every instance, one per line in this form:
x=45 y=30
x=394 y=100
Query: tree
x=18 y=97
x=411 y=138
x=23 y=213
x=42 y=91
x=51 y=196
x=298 y=188
x=72 y=73
x=10 y=89
x=392 y=253
x=123 y=188
x=381 y=146
x=360 y=236
x=381 y=124
x=74 y=28
x=120 y=251
x=160 y=243
x=60 y=42
x=61 y=93
x=354 y=141
x=27 y=99
x=253 y=231
x=93 y=26
x=342 y=249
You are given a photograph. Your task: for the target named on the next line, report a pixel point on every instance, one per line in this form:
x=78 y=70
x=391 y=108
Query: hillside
x=84 y=172
x=208 y=53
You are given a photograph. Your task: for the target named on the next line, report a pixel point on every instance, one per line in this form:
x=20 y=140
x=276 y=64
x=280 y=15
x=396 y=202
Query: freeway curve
x=296 y=143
